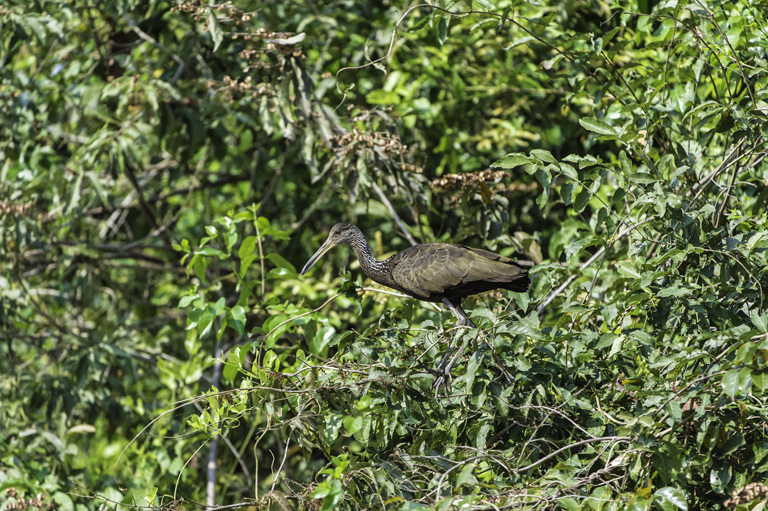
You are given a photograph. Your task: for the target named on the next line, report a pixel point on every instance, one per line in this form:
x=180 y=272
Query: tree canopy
x=165 y=168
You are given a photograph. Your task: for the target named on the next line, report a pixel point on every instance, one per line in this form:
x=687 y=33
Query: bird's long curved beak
x=329 y=244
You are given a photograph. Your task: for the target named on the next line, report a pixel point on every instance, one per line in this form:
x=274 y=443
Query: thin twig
x=394 y=214
x=285 y=455
x=554 y=294
x=261 y=261
x=726 y=194
x=210 y=486
x=571 y=446
x=148 y=38
x=329 y=300
x=741 y=73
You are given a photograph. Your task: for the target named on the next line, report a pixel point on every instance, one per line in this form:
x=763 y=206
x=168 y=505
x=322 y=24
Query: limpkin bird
x=434 y=272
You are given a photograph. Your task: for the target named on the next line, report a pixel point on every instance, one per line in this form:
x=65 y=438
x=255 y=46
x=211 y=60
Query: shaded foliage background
x=166 y=168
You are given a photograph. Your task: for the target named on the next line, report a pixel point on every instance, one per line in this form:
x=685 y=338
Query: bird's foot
x=443 y=371
x=441 y=366
x=442 y=375
x=440 y=381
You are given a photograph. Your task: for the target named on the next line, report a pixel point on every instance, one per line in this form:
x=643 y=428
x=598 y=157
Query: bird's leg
x=459 y=313
x=463 y=320
x=444 y=368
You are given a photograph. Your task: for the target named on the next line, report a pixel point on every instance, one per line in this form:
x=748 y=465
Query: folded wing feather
x=437 y=270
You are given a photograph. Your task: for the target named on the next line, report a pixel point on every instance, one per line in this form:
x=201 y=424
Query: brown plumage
x=434 y=272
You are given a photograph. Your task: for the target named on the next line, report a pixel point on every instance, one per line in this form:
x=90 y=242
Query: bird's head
x=341 y=234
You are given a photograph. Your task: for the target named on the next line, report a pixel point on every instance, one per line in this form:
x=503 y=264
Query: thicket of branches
x=166 y=167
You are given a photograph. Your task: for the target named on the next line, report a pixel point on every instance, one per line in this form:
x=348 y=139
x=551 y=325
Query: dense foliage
x=167 y=167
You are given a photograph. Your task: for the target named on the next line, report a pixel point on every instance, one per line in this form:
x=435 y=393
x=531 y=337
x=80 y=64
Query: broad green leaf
x=719 y=477
x=759 y=320
x=353 y=424
x=672 y=496
x=510 y=161
x=582 y=199
x=731 y=382
x=215 y=29
x=232 y=364
x=745 y=380
x=382 y=97
x=597 y=126
x=566 y=192
x=544 y=156
x=643 y=178
x=627 y=268
x=247 y=247
x=185 y=301
x=760 y=380
x=674 y=290
x=465 y=476
x=442 y=29
x=237 y=319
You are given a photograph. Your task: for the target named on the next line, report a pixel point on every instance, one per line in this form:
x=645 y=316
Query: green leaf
x=322 y=490
x=237 y=319
x=352 y=424
x=616 y=346
x=719 y=478
x=675 y=290
x=745 y=381
x=760 y=380
x=232 y=365
x=643 y=178
x=280 y=273
x=273 y=330
x=757 y=239
x=210 y=251
x=206 y=322
x=522 y=328
x=568 y=171
x=150 y=496
x=582 y=199
x=566 y=192
x=627 y=268
x=465 y=476
x=215 y=29
x=382 y=97
x=759 y=320
x=544 y=156
x=280 y=261
x=667 y=460
x=725 y=123
x=510 y=161
x=321 y=340
x=288 y=41
x=731 y=382
x=597 y=126
x=442 y=30
x=186 y=300
x=472 y=366
x=247 y=247
x=569 y=504
x=626 y=167
x=672 y=496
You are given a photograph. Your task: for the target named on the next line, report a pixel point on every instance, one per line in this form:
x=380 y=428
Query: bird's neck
x=375 y=269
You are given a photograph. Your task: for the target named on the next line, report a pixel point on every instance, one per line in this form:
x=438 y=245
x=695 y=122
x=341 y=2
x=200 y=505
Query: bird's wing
x=431 y=271
x=424 y=270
